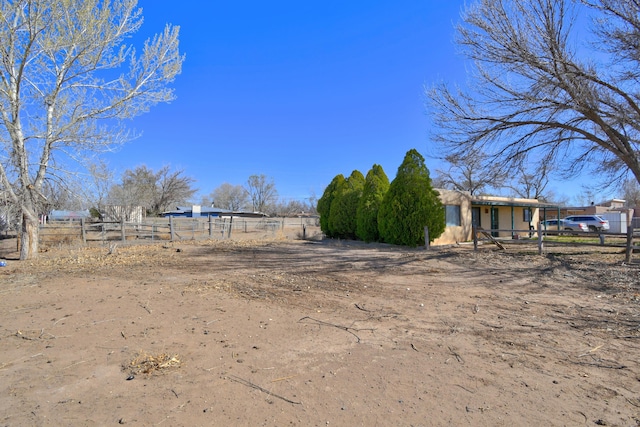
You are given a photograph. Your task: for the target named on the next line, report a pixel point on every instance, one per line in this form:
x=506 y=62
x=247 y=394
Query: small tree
x=99 y=184
x=155 y=191
x=173 y=187
x=344 y=207
x=262 y=192
x=231 y=197
x=376 y=186
x=324 y=203
x=411 y=204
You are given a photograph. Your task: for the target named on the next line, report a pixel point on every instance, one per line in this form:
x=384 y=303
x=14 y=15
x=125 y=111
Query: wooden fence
x=88 y=232
x=544 y=238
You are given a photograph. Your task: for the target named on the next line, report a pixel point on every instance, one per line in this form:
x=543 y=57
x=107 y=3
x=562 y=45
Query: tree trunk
x=29 y=237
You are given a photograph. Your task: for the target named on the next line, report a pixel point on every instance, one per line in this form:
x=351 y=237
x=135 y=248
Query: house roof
x=510 y=201
x=60 y=214
x=207 y=210
x=203 y=209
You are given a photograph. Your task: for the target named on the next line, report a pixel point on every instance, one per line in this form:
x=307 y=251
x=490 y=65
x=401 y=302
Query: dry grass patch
x=144 y=363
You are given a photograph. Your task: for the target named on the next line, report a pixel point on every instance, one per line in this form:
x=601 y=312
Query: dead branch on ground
x=264 y=390
x=344 y=328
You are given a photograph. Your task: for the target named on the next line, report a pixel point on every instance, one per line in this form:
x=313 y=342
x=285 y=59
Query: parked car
x=568 y=225
x=594 y=222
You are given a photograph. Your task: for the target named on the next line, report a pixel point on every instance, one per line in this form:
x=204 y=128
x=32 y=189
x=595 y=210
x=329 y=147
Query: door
x=495 y=224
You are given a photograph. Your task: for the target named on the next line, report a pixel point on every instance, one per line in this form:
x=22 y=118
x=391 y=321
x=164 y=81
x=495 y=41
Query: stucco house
x=514 y=216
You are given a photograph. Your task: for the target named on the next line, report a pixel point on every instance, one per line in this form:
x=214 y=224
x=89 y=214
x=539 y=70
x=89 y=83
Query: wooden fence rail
x=605 y=239
x=87 y=232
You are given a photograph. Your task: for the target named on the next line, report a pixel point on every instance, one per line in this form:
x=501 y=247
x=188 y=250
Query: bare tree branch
x=538 y=95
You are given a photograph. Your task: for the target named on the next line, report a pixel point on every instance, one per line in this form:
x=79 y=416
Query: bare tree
x=631 y=193
x=98 y=184
x=531 y=184
x=231 y=197
x=67 y=79
x=292 y=208
x=172 y=188
x=137 y=188
x=473 y=172
x=539 y=94
x=155 y=191
x=586 y=196
x=262 y=192
x=62 y=195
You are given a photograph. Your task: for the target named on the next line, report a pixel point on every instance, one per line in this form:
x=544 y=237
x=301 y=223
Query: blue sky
x=297 y=90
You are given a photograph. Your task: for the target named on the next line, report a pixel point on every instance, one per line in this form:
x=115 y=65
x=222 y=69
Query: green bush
x=411 y=204
x=376 y=186
x=324 y=203
x=344 y=206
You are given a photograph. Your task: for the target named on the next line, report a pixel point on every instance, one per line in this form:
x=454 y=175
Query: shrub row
x=372 y=209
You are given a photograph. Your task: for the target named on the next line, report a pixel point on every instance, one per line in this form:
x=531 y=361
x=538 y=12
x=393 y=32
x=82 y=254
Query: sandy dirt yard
x=282 y=332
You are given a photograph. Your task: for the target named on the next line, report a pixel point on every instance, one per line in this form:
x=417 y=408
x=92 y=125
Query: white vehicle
x=594 y=222
x=552 y=224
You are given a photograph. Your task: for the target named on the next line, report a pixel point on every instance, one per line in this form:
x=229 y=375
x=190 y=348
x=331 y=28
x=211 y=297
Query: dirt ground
x=283 y=332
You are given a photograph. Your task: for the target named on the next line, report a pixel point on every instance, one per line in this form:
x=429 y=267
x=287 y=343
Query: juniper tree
x=411 y=204
x=376 y=186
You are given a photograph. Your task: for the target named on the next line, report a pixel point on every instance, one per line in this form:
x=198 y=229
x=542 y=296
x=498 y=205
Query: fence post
x=83 y=231
x=210 y=226
x=171 y=230
x=122 y=232
x=475 y=237
x=601 y=237
x=540 y=239
x=230 y=226
x=629 y=250
x=426 y=238
x=304 y=232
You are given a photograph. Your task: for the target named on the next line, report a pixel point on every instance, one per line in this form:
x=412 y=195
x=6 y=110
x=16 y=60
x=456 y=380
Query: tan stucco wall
x=461 y=233
x=516 y=223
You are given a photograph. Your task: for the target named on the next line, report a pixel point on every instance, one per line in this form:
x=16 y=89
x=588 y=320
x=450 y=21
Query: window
x=526 y=215
x=452 y=215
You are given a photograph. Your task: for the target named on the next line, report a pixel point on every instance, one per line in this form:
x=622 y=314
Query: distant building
x=124 y=213
x=60 y=215
x=595 y=209
x=196 y=211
